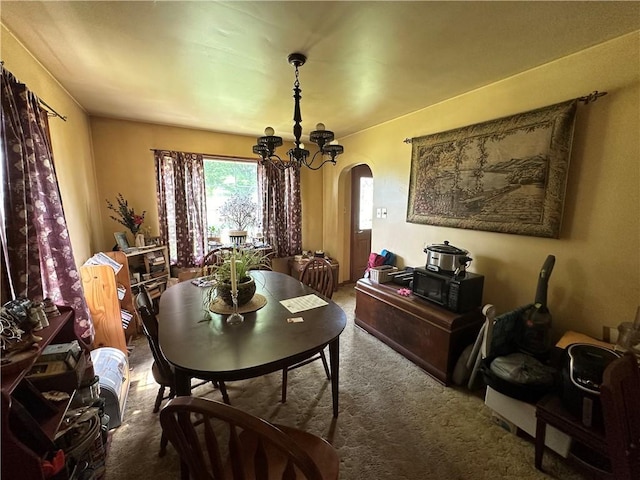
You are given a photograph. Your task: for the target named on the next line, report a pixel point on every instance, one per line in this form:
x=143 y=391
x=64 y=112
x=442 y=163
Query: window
x=365 y=216
x=224 y=178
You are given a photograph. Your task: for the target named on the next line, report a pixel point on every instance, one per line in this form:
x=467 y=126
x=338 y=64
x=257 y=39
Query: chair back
x=318 y=274
x=144 y=304
x=232 y=441
x=620 y=394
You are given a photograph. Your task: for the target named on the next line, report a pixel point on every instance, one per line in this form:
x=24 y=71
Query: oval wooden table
x=200 y=344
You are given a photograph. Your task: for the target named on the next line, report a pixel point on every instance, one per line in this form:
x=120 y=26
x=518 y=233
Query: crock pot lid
x=446 y=248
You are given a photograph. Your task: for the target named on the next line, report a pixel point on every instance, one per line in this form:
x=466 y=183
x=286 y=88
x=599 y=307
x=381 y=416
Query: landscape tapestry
x=506 y=175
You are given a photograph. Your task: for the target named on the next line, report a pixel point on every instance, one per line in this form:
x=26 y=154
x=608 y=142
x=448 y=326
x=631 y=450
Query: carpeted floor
x=395 y=421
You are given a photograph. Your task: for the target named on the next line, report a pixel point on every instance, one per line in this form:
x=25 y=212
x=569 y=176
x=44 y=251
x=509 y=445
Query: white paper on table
x=300 y=304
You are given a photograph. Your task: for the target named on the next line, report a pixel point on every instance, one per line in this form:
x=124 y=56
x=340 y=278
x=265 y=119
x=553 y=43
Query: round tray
x=256 y=303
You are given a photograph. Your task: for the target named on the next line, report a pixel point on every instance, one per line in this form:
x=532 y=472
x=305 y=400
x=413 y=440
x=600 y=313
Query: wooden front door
x=361 y=219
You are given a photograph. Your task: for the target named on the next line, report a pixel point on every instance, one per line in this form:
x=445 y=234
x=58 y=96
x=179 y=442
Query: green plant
x=239 y=212
x=213 y=231
x=245 y=260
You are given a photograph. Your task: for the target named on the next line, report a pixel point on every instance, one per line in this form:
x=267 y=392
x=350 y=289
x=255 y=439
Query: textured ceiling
x=222 y=66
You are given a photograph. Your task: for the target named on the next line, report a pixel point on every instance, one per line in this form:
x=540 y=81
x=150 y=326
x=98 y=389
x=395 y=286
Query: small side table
x=550 y=411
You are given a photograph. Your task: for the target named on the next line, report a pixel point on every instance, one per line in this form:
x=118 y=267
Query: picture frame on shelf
x=121 y=240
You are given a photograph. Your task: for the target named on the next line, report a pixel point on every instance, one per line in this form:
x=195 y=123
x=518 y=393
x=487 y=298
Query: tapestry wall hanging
x=506 y=175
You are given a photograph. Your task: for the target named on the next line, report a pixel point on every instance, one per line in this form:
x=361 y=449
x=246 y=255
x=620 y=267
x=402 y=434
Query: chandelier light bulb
x=320 y=126
x=269 y=132
x=301 y=145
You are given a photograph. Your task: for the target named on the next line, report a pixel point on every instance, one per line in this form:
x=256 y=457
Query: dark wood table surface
x=200 y=344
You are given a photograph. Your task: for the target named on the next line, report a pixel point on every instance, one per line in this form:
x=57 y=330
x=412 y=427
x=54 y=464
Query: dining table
x=200 y=343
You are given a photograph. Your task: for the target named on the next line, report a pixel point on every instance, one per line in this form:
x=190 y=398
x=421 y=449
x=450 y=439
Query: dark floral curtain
x=279 y=193
x=36 y=246
x=182 y=202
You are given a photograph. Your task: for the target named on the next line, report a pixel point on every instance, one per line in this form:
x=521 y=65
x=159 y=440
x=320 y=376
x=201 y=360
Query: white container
x=523 y=415
x=112 y=368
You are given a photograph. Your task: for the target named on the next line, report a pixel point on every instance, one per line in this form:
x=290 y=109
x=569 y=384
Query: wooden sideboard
x=425 y=333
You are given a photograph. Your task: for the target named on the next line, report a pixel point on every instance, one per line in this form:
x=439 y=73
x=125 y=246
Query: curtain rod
x=587 y=99
x=50 y=111
x=230 y=157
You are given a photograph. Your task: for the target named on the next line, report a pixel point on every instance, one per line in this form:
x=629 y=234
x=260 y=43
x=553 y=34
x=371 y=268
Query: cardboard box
x=523 y=415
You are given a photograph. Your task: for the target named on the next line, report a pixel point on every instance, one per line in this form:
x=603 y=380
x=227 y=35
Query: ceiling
x=222 y=66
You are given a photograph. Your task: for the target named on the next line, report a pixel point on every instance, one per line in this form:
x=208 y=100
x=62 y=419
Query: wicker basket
x=381 y=274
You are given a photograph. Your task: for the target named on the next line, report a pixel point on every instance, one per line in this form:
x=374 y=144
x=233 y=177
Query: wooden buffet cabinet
x=29 y=421
x=425 y=333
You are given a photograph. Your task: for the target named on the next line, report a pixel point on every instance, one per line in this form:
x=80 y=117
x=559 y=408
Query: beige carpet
x=395 y=421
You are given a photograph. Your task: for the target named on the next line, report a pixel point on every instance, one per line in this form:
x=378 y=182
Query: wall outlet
x=379 y=213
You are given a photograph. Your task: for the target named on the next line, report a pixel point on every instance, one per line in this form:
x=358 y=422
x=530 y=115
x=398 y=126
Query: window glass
x=365 y=215
x=223 y=179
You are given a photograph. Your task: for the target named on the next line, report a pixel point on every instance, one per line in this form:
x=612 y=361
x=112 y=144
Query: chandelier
x=328 y=149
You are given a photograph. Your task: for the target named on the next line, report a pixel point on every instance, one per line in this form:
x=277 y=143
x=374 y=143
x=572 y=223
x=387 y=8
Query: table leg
x=183 y=383
x=541 y=430
x=334 y=358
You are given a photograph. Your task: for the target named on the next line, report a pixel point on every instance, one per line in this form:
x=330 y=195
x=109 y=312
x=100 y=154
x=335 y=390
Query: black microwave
x=458 y=293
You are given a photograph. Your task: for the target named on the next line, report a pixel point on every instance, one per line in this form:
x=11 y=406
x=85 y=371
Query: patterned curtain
x=36 y=246
x=182 y=205
x=279 y=194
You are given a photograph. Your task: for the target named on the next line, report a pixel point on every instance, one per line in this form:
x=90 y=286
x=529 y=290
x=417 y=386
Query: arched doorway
x=361 y=220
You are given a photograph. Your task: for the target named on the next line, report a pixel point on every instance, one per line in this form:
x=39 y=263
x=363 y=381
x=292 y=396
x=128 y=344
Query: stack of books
x=101 y=258
x=55 y=359
x=156 y=263
x=126 y=318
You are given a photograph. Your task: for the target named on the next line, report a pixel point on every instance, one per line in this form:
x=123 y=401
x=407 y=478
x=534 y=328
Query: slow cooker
x=446 y=258
x=584 y=365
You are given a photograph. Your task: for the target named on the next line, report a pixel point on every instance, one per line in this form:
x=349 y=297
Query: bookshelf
x=29 y=421
x=101 y=293
x=148 y=266
x=152 y=268
x=128 y=313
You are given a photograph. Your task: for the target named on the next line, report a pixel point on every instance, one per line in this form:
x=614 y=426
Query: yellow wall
x=124 y=164
x=71 y=144
x=596 y=279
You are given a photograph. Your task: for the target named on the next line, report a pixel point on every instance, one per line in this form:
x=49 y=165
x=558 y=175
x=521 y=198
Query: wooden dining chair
x=161 y=369
x=620 y=394
x=217 y=441
x=213 y=257
x=317 y=274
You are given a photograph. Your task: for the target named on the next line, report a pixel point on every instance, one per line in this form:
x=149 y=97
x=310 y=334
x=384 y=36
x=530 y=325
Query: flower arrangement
x=126 y=215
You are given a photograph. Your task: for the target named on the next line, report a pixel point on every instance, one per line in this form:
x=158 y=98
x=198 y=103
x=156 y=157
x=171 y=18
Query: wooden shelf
x=25 y=439
x=56 y=327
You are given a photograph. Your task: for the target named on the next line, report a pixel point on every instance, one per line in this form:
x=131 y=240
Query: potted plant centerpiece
x=244 y=260
x=238 y=213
